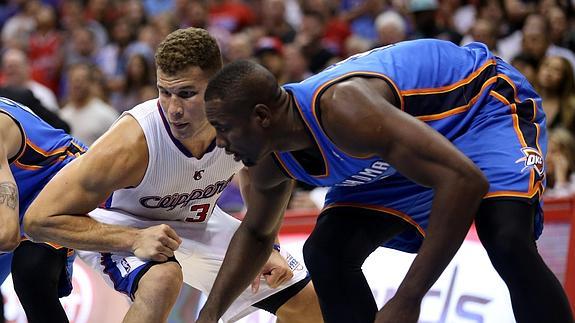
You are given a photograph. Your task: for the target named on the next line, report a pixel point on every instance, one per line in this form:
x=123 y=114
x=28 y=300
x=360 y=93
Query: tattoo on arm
x=8 y=194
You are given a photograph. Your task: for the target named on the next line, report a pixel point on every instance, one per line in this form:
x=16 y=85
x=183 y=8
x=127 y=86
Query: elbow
x=33 y=226
x=9 y=240
x=475 y=182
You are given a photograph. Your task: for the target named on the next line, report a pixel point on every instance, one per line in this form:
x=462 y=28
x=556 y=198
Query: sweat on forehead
x=242 y=81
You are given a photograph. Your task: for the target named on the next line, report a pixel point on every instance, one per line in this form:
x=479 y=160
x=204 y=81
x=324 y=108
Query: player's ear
x=262 y=114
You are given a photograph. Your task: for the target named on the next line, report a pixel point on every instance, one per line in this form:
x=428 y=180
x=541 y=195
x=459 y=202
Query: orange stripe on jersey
x=450 y=87
x=283 y=165
x=396 y=213
x=460 y=109
x=318 y=145
x=329 y=83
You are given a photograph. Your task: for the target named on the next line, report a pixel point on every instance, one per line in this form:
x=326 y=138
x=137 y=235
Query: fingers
x=256 y=283
x=278 y=276
x=171 y=233
x=169 y=243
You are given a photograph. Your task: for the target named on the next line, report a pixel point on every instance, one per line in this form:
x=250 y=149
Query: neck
x=198 y=143
x=292 y=133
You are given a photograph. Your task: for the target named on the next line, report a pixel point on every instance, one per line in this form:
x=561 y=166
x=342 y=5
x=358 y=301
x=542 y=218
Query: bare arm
x=421 y=154
x=251 y=245
x=10 y=143
x=59 y=213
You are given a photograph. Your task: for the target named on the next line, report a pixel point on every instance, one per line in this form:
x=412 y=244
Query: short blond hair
x=185 y=48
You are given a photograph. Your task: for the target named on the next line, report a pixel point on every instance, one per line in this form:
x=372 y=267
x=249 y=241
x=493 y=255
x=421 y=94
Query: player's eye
x=186 y=94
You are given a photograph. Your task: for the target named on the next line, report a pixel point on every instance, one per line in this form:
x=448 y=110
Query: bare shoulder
x=121 y=152
x=356 y=111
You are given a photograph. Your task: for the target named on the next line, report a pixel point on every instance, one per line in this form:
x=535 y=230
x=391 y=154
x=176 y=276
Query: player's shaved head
x=245 y=84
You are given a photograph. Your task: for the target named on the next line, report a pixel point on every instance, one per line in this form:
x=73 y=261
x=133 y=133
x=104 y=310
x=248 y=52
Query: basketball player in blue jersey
x=160 y=174
x=31 y=153
x=415 y=141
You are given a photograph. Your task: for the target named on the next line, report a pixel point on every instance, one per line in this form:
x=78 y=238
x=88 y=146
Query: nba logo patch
x=126 y=265
x=532 y=159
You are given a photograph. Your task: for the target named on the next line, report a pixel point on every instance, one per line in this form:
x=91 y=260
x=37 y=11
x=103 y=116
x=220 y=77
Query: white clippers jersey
x=176 y=186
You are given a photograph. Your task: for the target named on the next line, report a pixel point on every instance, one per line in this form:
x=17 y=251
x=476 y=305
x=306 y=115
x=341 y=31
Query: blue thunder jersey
x=480 y=103
x=44 y=151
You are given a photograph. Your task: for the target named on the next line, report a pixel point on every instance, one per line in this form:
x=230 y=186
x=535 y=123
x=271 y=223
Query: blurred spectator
x=82 y=49
x=88 y=116
x=18 y=28
x=483 y=31
x=426 y=25
x=560 y=163
x=391 y=28
x=527 y=65
x=536 y=40
x=556 y=85
x=336 y=28
x=355 y=45
x=239 y=47
x=16 y=73
x=310 y=38
x=135 y=13
x=112 y=59
x=73 y=18
x=274 y=21
x=27 y=98
x=297 y=67
x=104 y=12
x=360 y=14
x=561 y=34
x=231 y=15
x=45 y=49
x=158 y=7
x=139 y=75
x=164 y=24
x=269 y=53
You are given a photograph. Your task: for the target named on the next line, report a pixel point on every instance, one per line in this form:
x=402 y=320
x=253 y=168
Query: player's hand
x=276 y=272
x=156 y=243
x=397 y=310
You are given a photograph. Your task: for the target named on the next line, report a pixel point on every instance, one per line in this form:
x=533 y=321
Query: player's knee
x=161 y=280
x=508 y=250
x=36 y=267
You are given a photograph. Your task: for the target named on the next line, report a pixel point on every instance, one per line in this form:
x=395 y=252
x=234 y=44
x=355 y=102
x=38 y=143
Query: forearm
x=244 y=259
x=453 y=210
x=81 y=232
x=9 y=217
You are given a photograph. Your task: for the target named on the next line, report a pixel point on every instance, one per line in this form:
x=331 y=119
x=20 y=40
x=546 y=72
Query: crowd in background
x=86 y=61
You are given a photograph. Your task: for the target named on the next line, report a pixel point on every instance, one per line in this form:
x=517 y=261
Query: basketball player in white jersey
x=156 y=175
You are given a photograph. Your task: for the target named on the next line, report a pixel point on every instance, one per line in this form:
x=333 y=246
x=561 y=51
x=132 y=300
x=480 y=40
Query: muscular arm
x=418 y=152
x=251 y=245
x=59 y=213
x=10 y=143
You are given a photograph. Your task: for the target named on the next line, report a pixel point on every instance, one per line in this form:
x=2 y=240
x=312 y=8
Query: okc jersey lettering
x=376 y=171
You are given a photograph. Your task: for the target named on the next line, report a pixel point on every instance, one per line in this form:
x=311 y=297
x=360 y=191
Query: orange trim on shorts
x=535 y=186
x=396 y=213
